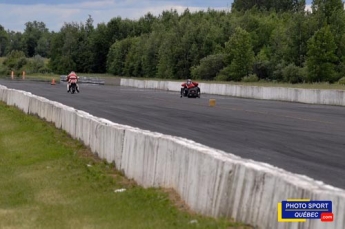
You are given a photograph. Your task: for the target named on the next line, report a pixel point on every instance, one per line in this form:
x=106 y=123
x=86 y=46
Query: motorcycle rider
x=72 y=78
x=188 y=85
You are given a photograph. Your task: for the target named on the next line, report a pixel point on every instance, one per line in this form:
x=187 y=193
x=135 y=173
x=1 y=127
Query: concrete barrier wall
x=210 y=181
x=311 y=96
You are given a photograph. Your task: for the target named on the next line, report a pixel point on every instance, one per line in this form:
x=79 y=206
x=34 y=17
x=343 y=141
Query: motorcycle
x=73 y=88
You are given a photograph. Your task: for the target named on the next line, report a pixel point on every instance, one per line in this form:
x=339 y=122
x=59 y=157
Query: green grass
x=37 y=76
x=40 y=76
x=48 y=180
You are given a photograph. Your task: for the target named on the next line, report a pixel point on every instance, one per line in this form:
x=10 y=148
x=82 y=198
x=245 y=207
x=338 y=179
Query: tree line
x=275 y=40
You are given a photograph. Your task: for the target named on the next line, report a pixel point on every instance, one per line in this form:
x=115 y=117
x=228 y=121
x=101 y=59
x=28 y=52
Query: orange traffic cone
x=53 y=82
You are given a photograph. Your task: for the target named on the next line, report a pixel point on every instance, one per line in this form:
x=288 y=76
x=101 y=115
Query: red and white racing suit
x=189 y=86
x=72 y=78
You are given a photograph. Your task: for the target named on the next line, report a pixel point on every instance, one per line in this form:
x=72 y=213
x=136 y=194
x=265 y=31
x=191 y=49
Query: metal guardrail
x=85 y=79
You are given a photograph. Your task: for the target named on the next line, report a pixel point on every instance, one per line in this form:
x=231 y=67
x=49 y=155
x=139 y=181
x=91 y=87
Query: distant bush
x=44 y=70
x=250 y=78
x=209 y=67
x=342 y=81
x=15 y=60
x=224 y=74
x=293 y=74
x=3 y=70
x=21 y=62
x=35 y=64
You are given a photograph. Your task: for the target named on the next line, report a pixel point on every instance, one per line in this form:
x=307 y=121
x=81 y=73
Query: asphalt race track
x=301 y=138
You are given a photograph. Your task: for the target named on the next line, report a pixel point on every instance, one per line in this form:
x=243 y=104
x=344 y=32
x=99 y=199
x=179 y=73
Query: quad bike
x=193 y=92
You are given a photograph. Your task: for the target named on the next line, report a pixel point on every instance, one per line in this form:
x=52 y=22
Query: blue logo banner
x=305 y=209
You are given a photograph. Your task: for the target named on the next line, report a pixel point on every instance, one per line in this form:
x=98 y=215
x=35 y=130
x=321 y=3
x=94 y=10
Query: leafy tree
x=241 y=54
x=150 y=54
x=341 y=56
x=324 y=9
x=71 y=48
x=42 y=47
x=32 y=34
x=113 y=30
x=83 y=55
x=133 y=60
x=57 y=43
x=321 y=56
x=117 y=56
x=300 y=29
x=15 y=42
x=166 y=58
x=100 y=46
x=337 y=26
x=64 y=50
x=277 y=5
x=146 y=22
x=3 y=40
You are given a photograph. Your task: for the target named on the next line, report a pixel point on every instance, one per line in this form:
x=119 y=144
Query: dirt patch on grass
x=241 y=227
x=50 y=196
x=176 y=199
x=181 y=205
x=5 y=212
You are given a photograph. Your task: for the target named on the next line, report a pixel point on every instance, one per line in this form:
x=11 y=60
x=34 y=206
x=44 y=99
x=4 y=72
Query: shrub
x=250 y=78
x=293 y=74
x=262 y=69
x=21 y=62
x=36 y=63
x=209 y=67
x=3 y=70
x=342 y=81
x=224 y=74
x=44 y=69
x=12 y=59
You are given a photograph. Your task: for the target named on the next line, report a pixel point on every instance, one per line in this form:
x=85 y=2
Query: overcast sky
x=15 y=13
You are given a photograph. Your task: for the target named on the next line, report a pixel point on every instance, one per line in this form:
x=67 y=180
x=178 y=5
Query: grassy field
x=47 y=77
x=48 y=180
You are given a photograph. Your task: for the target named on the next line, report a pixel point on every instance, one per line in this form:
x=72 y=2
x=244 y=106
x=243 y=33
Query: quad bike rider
x=72 y=78
x=188 y=87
